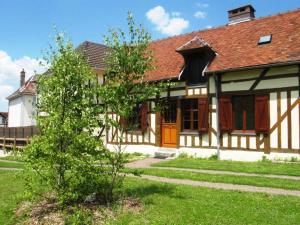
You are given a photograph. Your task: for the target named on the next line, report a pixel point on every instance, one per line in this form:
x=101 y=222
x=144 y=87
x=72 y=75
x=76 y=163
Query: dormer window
x=197 y=55
x=195 y=65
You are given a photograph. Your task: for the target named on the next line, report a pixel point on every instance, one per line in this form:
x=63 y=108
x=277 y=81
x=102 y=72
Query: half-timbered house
x=236 y=94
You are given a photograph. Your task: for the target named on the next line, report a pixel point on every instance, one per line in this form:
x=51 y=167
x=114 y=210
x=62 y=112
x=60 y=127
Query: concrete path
x=224 y=186
x=10 y=161
x=146 y=163
x=10 y=169
x=220 y=172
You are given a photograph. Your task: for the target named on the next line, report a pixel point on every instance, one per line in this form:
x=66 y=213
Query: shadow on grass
x=146 y=189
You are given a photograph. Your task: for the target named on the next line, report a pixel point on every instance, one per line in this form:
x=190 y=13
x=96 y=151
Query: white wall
x=21 y=111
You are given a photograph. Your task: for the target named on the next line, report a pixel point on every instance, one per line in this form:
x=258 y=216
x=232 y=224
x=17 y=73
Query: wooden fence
x=16 y=137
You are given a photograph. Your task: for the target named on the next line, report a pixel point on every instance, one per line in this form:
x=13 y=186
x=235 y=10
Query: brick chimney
x=241 y=14
x=22 y=78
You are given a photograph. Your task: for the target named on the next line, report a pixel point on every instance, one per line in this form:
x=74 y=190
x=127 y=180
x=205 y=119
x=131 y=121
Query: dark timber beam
x=263 y=73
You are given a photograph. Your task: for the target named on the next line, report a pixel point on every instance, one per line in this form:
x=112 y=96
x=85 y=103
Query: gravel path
x=224 y=186
x=146 y=163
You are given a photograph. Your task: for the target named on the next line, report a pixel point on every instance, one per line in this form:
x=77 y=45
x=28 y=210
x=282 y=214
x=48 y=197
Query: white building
x=22 y=103
x=21 y=106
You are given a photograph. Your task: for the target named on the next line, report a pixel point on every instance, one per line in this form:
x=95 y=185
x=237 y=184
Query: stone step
x=165 y=153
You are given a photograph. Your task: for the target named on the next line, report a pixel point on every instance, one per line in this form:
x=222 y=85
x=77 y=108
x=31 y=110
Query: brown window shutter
x=262 y=116
x=143 y=114
x=123 y=121
x=225 y=113
x=203 y=114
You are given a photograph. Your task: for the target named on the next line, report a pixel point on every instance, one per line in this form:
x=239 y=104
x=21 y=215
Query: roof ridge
x=227 y=25
x=92 y=42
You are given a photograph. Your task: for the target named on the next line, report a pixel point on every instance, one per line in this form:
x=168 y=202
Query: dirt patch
x=47 y=211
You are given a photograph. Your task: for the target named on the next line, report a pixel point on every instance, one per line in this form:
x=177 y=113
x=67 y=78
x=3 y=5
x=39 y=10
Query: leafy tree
x=126 y=85
x=65 y=154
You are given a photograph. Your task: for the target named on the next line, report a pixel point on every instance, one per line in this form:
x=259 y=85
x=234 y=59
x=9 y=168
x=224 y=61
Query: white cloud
x=166 y=23
x=10 y=74
x=208 y=26
x=176 y=14
x=200 y=14
x=202 y=5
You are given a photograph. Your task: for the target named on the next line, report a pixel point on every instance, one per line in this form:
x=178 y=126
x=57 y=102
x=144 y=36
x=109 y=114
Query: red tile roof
x=29 y=88
x=236 y=45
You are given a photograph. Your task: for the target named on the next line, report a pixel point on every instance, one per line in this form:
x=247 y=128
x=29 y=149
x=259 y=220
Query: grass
x=177 y=204
x=180 y=204
x=292 y=169
x=11 y=164
x=11 y=189
x=17 y=158
x=216 y=178
x=130 y=157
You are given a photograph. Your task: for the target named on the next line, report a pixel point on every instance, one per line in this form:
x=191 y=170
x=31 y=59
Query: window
x=190 y=114
x=138 y=120
x=170 y=112
x=265 y=39
x=194 y=68
x=243 y=112
x=134 y=121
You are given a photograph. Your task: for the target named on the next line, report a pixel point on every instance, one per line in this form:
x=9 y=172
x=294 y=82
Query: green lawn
x=292 y=169
x=13 y=158
x=11 y=189
x=216 y=178
x=11 y=164
x=178 y=204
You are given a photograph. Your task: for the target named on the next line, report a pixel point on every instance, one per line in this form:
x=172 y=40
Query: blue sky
x=27 y=26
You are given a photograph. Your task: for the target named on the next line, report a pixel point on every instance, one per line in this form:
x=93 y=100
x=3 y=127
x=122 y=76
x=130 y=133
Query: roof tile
x=236 y=45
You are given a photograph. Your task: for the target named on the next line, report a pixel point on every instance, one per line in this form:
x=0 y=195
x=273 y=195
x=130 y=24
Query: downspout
x=216 y=78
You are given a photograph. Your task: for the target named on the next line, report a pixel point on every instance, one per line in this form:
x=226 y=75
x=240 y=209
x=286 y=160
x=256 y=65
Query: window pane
x=196 y=115
x=195 y=125
x=170 y=112
x=238 y=112
x=187 y=125
x=250 y=113
x=243 y=107
x=190 y=114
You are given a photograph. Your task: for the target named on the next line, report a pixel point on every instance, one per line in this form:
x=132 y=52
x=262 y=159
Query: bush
x=213 y=157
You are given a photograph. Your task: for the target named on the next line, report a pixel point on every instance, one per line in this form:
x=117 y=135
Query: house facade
x=236 y=91
x=22 y=103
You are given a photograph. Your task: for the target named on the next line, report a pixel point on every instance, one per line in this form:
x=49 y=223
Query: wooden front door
x=169 y=128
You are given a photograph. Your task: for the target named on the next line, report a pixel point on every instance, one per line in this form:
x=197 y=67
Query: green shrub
x=213 y=157
x=265 y=159
x=79 y=216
